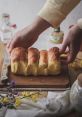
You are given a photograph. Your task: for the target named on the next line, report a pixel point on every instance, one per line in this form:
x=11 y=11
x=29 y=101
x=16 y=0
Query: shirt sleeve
x=55 y=11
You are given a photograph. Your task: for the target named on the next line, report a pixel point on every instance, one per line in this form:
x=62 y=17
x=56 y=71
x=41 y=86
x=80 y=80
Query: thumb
x=74 y=49
x=72 y=53
x=63 y=48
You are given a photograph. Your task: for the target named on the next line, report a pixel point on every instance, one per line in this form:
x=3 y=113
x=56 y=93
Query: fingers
x=64 y=46
x=8 y=44
x=73 y=50
x=11 y=45
x=71 y=55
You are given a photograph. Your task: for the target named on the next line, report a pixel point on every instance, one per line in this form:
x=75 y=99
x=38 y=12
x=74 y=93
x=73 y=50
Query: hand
x=26 y=37
x=73 y=41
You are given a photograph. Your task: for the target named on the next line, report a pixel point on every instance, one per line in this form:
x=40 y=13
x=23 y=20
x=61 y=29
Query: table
x=72 y=114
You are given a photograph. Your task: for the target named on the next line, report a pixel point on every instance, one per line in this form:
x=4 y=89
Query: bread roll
x=43 y=63
x=54 y=64
x=33 y=61
x=19 y=61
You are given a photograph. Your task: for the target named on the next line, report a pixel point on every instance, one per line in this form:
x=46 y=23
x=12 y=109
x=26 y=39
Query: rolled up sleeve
x=55 y=11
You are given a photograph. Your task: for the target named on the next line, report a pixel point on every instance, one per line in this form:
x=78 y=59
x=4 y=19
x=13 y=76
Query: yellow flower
x=17 y=102
x=1 y=100
x=5 y=100
x=25 y=93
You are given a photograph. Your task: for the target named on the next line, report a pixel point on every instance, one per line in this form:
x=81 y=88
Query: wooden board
x=58 y=81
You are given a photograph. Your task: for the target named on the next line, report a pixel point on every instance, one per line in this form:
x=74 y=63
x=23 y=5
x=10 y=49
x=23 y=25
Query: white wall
x=72 y=17
x=23 y=12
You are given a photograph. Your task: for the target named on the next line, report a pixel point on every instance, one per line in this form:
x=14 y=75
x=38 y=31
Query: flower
x=17 y=102
x=5 y=100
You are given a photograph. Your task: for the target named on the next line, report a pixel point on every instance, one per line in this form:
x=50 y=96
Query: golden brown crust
x=54 y=64
x=43 y=57
x=19 y=61
x=33 y=55
x=43 y=63
x=33 y=62
x=18 y=54
x=53 y=54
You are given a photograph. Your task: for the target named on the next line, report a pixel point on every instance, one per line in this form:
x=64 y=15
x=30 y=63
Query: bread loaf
x=31 y=61
x=19 y=61
x=54 y=64
x=43 y=63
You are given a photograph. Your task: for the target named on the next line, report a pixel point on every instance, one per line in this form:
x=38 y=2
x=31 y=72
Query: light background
x=23 y=12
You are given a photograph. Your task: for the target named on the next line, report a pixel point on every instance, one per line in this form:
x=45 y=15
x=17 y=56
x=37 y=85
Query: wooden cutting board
x=57 y=81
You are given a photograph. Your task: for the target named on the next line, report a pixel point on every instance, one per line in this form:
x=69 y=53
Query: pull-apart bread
x=31 y=61
x=54 y=64
x=19 y=61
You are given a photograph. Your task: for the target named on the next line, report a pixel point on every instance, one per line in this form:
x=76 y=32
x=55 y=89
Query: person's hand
x=73 y=41
x=26 y=37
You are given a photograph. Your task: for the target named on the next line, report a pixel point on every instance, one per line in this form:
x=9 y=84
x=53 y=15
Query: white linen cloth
x=53 y=106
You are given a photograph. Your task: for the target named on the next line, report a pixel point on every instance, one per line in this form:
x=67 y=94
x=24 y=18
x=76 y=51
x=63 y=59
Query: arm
x=52 y=14
x=55 y=11
x=27 y=36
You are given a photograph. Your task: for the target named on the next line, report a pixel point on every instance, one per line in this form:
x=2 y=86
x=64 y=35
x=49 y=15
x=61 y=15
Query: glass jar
x=5 y=28
x=57 y=36
x=6 y=33
x=76 y=94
